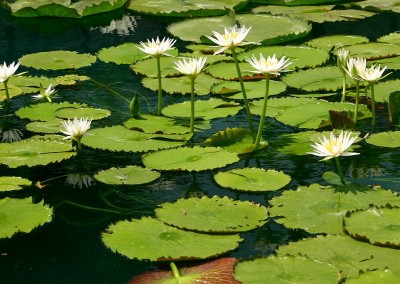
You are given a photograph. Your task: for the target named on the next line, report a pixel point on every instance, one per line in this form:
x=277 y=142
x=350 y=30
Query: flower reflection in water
x=11 y=135
x=79 y=180
x=124 y=26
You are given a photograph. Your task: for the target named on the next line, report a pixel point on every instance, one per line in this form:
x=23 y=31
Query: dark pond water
x=69 y=249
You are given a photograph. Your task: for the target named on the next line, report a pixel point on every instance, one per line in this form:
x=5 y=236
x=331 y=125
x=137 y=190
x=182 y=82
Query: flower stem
x=175 y=271
x=339 y=168
x=246 y=102
x=373 y=106
x=159 y=106
x=262 y=119
x=78 y=144
x=6 y=89
x=357 y=101
x=192 y=106
x=343 y=88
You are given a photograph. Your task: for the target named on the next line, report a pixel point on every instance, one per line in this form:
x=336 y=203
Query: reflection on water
x=11 y=135
x=124 y=26
x=79 y=180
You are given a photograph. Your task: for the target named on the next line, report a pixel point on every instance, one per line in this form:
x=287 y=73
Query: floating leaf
x=374 y=50
x=148 y=66
x=189 y=159
x=384 y=89
x=45 y=111
x=156 y=124
x=216 y=214
x=30 y=84
x=57 y=60
x=9 y=183
x=252 y=179
x=13 y=91
x=326 y=206
x=289 y=269
x=376 y=225
x=376 y=276
x=336 y=41
x=130 y=175
x=50 y=126
x=126 y=53
x=22 y=216
x=119 y=138
x=150 y=239
x=389 y=139
x=379 y=6
x=217 y=271
x=33 y=152
x=87 y=112
x=393 y=38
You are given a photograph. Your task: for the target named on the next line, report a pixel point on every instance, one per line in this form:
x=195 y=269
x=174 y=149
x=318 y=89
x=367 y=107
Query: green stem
x=339 y=168
x=110 y=90
x=175 y=271
x=79 y=144
x=357 y=101
x=192 y=106
x=343 y=88
x=91 y=208
x=246 y=101
x=159 y=106
x=373 y=106
x=262 y=119
x=6 y=89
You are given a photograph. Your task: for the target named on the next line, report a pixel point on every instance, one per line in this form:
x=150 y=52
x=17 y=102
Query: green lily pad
x=126 y=53
x=393 y=38
x=189 y=159
x=277 y=105
x=148 y=66
x=57 y=60
x=296 y=2
x=45 y=111
x=119 y=138
x=330 y=42
x=300 y=56
x=30 y=84
x=216 y=214
x=9 y=183
x=50 y=126
x=379 y=6
x=130 y=175
x=181 y=85
x=326 y=206
x=316 y=14
x=280 y=29
x=227 y=71
x=187 y=8
x=376 y=225
x=392 y=63
x=71 y=79
x=34 y=152
x=150 y=239
x=205 y=109
x=90 y=112
x=22 y=216
x=376 y=276
x=156 y=124
x=347 y=254
x=252 y=179
x=286 y=269
x=389 y=139
x=374 y=50
x=384 y=89
x=13 y=91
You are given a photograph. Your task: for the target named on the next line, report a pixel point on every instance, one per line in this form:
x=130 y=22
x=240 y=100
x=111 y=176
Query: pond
x=74 y=246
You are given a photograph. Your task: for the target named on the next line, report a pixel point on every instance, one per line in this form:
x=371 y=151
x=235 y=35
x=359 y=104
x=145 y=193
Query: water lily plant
x=75 y=129
x=231 y=39
x=191 y=68
x=45 y=94
x=5 y=73
x=342 y=56
x=268 y=67
x=156 y=49
x=334 y=147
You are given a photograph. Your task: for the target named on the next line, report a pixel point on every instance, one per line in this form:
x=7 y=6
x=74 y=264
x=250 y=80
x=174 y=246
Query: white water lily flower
x=7 y=71
x=355 y=65
x=75 y=129
x=156 y=47
x=191 y=67
x=342 y=56
x=372 y=74
x=334 y=146
x=45 y=94
x=271 y=65
x=232 y=38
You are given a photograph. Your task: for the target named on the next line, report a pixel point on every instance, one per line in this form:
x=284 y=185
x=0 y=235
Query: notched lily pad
x=216 y=214
x=89 y=112
x=45 y=111
x=9 y=183
x=374 y=50
x=389 y=139
x=126 y=53
x=150 y=239
x=130 y=175
x=330 y=42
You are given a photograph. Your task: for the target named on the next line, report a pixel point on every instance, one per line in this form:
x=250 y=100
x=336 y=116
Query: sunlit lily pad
x=389 y=139
x=13 y=91
x=9 y=183
x=130 y=175
x=156 y=124
x=286 y=269
x=22 y=216
x=336 y=41
x=57 y=60
x=148 y=66
x=89 y=112
x=33 y=152
x=277 y=105
x=30 y=84
x=376 y=225
x=390 y=38
x=49 y=126
x=126 y=53
x=205 y=109
x=187 y=8
x=392 y=63
x=45 y=111
x=216 y=214
x=374 y=50
x=384 y=89
x=119 y=138
x=189 y=159
x=317 y=14
x=379 y=6
x=376 y=276
x=347 y=254
x=150 y=239
x=280 y=29
x=326 y=206
x=252 y=179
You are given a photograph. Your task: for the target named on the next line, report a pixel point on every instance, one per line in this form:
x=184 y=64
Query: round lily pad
x=45 y=111
x=9 y=183
x=150 y=239
x=390 y=38
x=376 y=276
x=57 y=60
x=252 y=179
x=31 y=84
x=22 y=216
x=377 y=225
x=13 y=91
x=148 y=66
x=374 y=50
x=287 y=269
x=389 y=139
x=89 y=112
x=126 y=53
x=156 y=124
x=216 y=214
x=50 y=126
x=189 y=159
x=330 y=42
x=130 y=175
